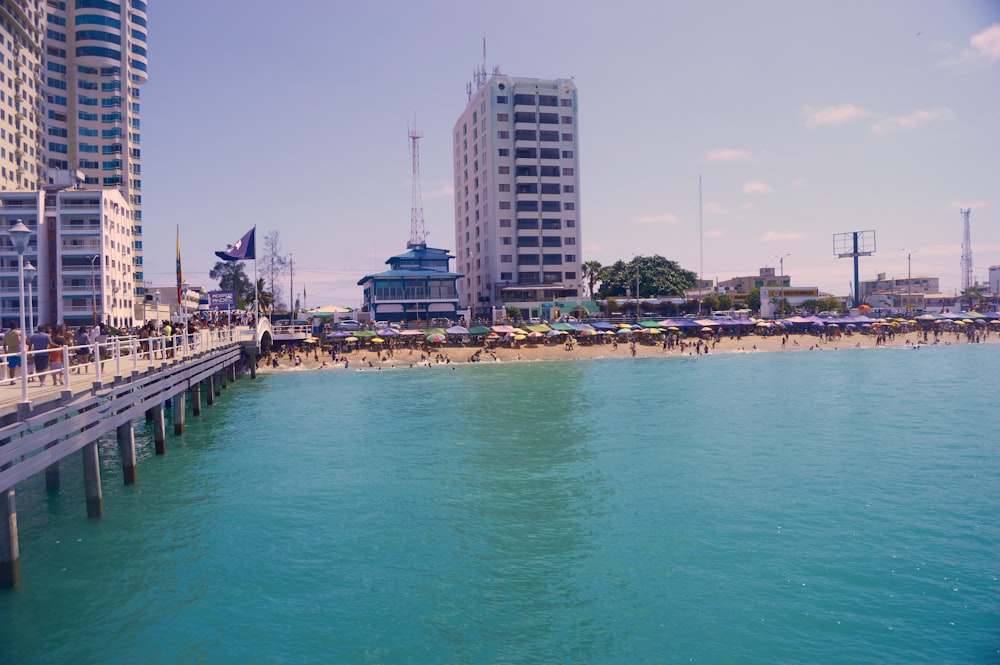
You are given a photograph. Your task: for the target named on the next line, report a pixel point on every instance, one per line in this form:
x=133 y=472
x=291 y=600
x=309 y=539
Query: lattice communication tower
x=966 y=251
x=418 y=234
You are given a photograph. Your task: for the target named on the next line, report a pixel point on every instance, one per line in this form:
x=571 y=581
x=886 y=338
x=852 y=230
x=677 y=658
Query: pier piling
x=126 y=440
x=179 y=399
x=159 y=429
x=10 y=558
x=209 y=390
x=196 y=398
x=92 y=480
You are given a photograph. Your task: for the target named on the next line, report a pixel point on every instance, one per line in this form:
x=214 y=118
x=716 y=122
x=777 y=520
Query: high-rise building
x=21 y=95
x=95 y=61
x=517 y=188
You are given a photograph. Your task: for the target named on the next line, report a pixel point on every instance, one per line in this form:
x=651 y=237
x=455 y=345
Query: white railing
x=83 y=365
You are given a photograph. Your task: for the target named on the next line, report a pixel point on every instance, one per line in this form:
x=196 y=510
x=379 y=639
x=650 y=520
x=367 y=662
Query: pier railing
x=83 y=365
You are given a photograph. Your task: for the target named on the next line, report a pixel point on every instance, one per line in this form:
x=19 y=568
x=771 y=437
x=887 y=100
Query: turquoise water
x=811 y=507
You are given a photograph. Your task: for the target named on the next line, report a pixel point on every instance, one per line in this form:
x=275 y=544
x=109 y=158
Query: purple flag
x=243 y=249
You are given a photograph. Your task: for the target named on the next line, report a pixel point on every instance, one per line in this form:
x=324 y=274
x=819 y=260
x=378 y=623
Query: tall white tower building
x=22 y=26
x=95 y=61
x=517 y=188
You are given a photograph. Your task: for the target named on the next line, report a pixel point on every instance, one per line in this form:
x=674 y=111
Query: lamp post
x=781 y=269
x=909 y=279
x=19 y=234
x=93 y=285
x=156 y=317
x=29 y=278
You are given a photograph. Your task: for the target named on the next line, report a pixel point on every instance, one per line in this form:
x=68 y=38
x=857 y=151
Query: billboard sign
x=221 y=300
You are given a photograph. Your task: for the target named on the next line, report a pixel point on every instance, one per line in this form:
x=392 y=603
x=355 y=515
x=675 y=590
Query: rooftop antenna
x=966 y=251
x=418 y=234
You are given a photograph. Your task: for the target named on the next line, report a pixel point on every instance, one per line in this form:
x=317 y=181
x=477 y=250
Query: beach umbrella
x=520 y=338
x=554 y=333
x=377 y=340
x=535 y=334
x=493 y=336
x=674 y=328
x=436 y=338
x=351 y=338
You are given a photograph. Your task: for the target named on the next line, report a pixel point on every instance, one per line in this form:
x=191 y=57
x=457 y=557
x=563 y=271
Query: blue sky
x=803 y=119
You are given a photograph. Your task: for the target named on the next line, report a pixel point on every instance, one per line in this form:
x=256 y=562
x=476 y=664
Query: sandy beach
x=365 y=359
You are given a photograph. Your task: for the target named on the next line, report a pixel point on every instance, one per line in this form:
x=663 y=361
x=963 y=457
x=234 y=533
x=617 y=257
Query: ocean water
x=810 y=507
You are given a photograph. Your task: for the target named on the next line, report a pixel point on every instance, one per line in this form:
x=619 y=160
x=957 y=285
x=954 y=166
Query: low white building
x=81 y=245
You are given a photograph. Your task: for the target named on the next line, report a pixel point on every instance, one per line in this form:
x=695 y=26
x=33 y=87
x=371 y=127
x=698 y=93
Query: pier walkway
x=117 y=381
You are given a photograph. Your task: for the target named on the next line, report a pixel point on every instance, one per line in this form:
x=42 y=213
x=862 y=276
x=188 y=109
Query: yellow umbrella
x=377 y=340
x=352 y=338
x=519 y=338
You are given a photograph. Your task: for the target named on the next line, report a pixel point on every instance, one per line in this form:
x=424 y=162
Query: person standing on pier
x=40 y=342
x=12 y=344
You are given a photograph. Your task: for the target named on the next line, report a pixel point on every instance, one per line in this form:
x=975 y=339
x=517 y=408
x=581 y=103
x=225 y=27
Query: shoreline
x=370 y=360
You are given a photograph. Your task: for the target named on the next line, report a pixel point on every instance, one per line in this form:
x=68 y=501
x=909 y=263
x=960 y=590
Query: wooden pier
x=36 y=434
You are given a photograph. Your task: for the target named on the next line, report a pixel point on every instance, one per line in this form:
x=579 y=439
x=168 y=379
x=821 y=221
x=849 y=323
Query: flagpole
x=256 y=295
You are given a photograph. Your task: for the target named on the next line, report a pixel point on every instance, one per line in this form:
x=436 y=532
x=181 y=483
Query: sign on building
x=221 y=300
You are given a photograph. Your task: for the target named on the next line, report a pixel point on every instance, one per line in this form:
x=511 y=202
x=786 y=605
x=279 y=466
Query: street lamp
x=19 y=234
x=93 y=285
x=909 y=278
x=29 y=278
x=156 y=317
x=781 y=269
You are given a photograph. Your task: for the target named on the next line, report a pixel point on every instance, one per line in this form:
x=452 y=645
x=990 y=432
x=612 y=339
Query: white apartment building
x=21 y=95
x=95 y=61
x=517 y=187
x=81 y=246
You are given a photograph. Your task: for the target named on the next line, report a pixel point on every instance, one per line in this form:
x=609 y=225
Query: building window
x=571 y=258
x=567 y=137
x=503 y=117
x=551 y=224
x=527 y=241
x=547 y=100
x=525 y=135
x=569 y=241
x=552 y=206
x=569 y=206
x=505 y=223
x=569 y=189
x=571 y=276
x=567 y=120
x=503 y=170
x=551 y=241
x=501 y=99
x=528 y=259
x=524 y=99
x=566 y=102
x=526 y=205
x=567 y=154
x=549 y=188
x=570 y=223
x=503 y=152
x=503 y=187
x=503 y=134
x=548 y=118
x=569 y=170
x=527 y=223
x=547 y=136
x=505 y=240
x=504 y=205
x=549 y=171
x=525 y=116
x=506 y=258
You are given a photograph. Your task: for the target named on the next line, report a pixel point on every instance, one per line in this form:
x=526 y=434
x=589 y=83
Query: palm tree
x=591 y=271
x=972 y=296
x=265 y=299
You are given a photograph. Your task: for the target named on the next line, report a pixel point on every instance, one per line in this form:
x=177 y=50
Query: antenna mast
x=418 y=234
x=966 y=251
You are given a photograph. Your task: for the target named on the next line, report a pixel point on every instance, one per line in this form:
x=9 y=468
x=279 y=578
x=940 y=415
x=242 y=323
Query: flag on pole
x=243 y=249
x=180 y=273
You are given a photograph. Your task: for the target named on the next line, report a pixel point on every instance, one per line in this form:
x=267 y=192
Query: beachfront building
x=417 y=288
x=737 y=288
x=95 y=61
x=904 y=294
x=81 y=248
x=517 y=194
x=22 y=27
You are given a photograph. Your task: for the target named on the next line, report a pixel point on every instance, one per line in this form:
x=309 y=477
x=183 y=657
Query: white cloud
x=973 y=205
x=905 y=123
x=757 y=187
x=713 y=208
x=784 y=235
x=986 y=44
x=444 y=190
x=728 y=155
x=663 y=218
x=832 y=115
x=799 y=182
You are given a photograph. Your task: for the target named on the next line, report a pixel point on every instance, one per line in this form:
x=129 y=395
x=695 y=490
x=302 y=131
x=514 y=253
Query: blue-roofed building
x=418 y=286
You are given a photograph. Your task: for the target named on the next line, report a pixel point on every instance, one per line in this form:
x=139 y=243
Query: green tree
x=972 y=296
x=753 y=300
x=265 y=298
x=592 y=274
x=812 y=305
x=232 y=277
x=657 y=277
